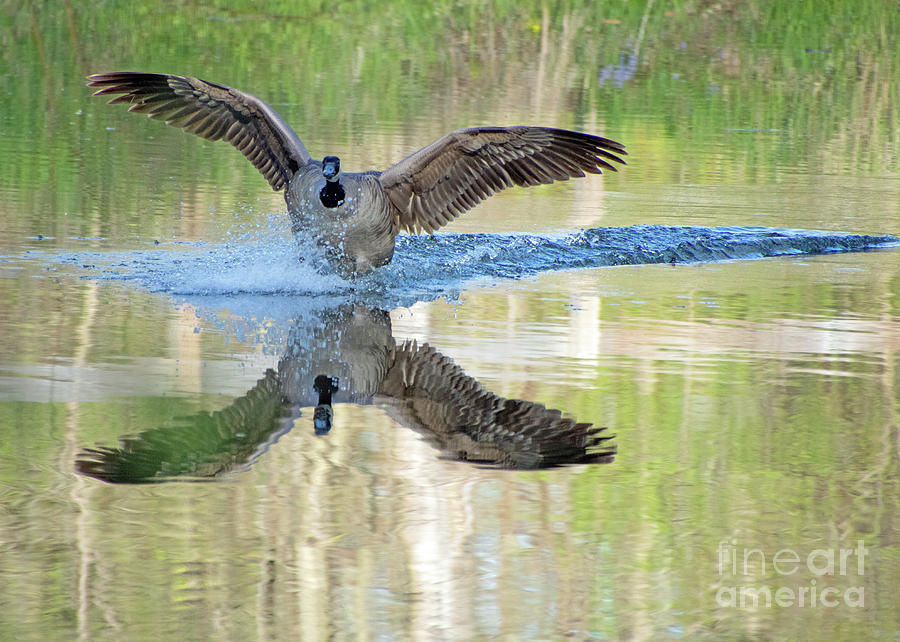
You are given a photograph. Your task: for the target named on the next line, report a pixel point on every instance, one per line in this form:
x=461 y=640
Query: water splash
x=425 y=267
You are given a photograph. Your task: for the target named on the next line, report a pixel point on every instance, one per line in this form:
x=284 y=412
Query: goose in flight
x=355 y=217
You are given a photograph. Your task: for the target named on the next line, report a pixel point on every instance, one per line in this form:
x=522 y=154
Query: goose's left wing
x=439 y=182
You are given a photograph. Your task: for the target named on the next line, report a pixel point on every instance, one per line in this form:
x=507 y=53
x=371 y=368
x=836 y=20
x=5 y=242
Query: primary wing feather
x=456 y=172
x=214 y=112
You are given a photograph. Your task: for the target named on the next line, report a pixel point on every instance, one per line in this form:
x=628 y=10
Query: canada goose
x=356 y=217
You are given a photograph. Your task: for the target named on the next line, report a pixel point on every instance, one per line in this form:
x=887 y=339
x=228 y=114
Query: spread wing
x=436 y=184
x=214 y=112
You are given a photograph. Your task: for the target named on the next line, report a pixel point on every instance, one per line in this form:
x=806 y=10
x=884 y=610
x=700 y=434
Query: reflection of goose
x=355 y=217
x=415 y=384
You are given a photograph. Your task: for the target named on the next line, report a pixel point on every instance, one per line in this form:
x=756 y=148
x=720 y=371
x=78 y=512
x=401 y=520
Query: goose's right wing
x=214 y=112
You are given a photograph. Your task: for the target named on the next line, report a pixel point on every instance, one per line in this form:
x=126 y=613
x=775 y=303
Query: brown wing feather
x=214 y=112
x=453 y=174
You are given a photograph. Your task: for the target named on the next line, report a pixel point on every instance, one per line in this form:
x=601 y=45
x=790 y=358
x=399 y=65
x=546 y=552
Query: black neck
x=332 y=195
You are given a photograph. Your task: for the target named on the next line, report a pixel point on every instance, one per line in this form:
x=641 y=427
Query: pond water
x=725 y=308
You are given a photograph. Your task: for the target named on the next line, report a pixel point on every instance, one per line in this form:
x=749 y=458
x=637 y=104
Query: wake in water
x=425 y=267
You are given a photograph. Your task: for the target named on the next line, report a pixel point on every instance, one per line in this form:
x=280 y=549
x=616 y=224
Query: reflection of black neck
x=332 y=195
x=323 y=415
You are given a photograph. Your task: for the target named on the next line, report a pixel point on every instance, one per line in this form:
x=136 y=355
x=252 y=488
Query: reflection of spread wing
x=200 y=446
x=430 y=393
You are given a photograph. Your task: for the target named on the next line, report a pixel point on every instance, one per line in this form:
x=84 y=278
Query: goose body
x=354 y=232
x=356 y=216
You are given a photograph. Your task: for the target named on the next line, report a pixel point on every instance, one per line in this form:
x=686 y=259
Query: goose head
x=331 y=169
